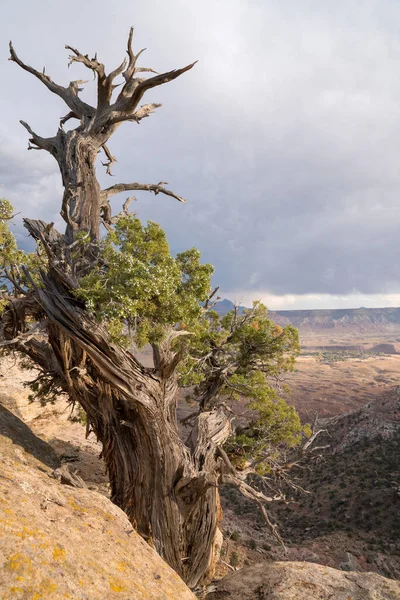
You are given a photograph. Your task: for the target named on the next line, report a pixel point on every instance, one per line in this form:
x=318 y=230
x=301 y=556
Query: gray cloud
x=283 y=138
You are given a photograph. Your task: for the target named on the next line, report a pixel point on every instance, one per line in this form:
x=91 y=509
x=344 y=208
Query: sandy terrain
x=335 y=374
x=337 y=387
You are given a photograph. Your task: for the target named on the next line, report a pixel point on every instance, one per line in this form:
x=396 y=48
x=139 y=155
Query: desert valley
x=348 y=358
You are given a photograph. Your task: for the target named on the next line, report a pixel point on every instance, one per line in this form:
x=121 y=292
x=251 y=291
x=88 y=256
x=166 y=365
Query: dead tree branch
x=90 y=63
x=70 y=115
x=146 y=187
x=67 y=94
x=144 y=111
x=111 y=160
x=259 y=498
x=104 y=82
x=130 y=71
x=130 y=96
x=40 y=142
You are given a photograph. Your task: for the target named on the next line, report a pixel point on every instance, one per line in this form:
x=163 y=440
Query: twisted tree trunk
x=76 y=155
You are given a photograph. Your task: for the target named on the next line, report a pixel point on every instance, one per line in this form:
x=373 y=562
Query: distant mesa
x=360 y=319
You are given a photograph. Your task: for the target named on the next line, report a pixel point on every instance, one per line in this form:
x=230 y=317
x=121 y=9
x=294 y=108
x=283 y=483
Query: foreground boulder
x=303 y=581
x=58 y=541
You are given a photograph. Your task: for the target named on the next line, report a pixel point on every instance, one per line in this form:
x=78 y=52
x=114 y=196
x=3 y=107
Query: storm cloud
x=284 y=137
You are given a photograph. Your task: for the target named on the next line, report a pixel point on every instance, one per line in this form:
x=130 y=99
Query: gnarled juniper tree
x=75 y=306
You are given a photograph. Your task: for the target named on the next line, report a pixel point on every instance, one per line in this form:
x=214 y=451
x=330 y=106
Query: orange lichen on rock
x=65 y=542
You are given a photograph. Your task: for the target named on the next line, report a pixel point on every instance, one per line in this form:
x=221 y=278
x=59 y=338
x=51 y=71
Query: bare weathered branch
x=23 y=338
x=67 y=94
x=146 y=187
x=41 y=143
x=105 y=85
x=145 y=70
x=70 y=115
x=111 y=160
x=144 y=111
x=117 y=71
x=209 y=305
x=130 y=71
x=259 y=498
x=108 y=84
x=40 y=231
x=227 y=463
x=53 y=87
x=162 y=78
x=226 y=565
x=126 y=205
x=13 y=275
x=74 y=85
x=312 y=438
x=133 y=90
x=3 y=218
x=109 y=219
x=90 y=63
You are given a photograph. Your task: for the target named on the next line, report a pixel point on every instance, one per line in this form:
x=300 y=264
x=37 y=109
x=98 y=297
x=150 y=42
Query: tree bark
x=76 y=155
x=154 y=479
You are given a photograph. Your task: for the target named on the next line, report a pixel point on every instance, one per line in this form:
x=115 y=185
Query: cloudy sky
x=285 y=137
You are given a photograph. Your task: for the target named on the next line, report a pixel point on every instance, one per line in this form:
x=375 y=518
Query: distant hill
x=359 y=318
x=224 y=306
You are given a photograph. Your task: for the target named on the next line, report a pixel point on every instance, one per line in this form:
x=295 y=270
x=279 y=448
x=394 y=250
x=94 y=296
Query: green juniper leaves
x=138 y=284
x=9 y=254
x=250 y=353
x=12 y=258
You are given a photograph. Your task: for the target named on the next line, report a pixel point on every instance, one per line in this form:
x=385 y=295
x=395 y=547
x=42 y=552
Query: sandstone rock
x=57 y=541
x=303 y=581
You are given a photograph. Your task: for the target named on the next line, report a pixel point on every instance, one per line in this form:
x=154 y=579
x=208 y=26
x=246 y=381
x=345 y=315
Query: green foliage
x=275 y=425
x=8 y=245
x=253 y=353
x=250 y=343
x=234 y=559
x=332 y=356
x=138 y=284
x=12 y=276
